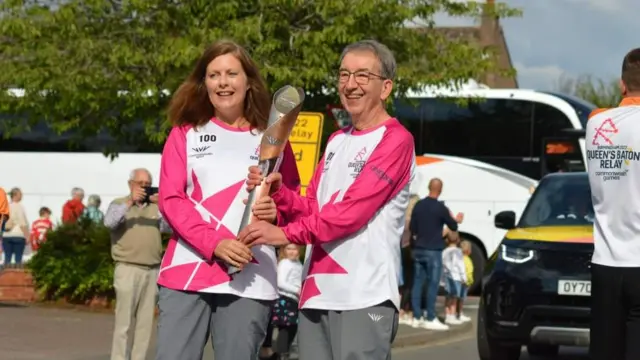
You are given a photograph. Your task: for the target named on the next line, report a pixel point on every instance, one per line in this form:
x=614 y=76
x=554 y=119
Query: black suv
x=537 y=285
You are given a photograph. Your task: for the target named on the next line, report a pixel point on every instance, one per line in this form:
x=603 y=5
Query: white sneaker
x=436 y=325
x=452 y=320
x=405 y=320
x=416 y=323
x=464 y=318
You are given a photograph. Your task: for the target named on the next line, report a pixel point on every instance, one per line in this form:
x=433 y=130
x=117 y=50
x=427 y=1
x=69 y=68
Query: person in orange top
x=612 y=142
x=73 y=209
x=4 y=210
x=40 y=227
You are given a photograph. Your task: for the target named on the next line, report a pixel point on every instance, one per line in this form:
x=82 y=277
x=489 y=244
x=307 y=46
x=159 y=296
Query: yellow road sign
x=305 y=141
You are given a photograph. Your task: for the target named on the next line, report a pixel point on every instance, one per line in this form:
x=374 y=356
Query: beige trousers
x=136 y=293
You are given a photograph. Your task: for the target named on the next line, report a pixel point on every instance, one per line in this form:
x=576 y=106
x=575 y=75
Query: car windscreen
x=560 y=200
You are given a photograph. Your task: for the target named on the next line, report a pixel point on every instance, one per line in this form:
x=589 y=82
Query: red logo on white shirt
x=358 y=162
x=602 y=131
x=256 y=155
x=360 y=155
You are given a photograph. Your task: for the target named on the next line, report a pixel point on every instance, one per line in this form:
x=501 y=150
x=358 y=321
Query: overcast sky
x=567 y=37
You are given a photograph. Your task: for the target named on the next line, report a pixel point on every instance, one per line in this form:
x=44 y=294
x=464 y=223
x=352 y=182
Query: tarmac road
x=37 y=333
x=466 y=350
x=52 y=333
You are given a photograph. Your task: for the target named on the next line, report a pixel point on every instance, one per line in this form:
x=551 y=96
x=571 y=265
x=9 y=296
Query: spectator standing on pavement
x=455 y=276
x=405 y=280
x=285 y=310
x=16 y=232
x=352 y=216
x=427 y=222
x=92 y=211
x=73 y=208
x=135 y=224
x=468 y=268
x=218 y=115
x=4 y=214
x=4 y=210
x=613 y=163
x=39 y=228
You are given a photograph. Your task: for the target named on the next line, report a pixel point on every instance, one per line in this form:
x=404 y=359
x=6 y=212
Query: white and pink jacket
x=353 y=216
x=202 y=188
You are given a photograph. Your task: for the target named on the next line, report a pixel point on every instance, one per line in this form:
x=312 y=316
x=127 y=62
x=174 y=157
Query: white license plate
x=574 y=287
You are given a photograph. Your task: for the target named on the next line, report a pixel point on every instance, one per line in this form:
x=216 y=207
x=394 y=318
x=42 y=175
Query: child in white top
x=454 y=277
x=290 y=272
x=285 y=310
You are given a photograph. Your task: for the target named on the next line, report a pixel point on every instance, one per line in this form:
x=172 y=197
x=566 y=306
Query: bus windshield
x=477 y=130
x=582 y=107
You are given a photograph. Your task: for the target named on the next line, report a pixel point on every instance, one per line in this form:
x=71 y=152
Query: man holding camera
x=136 y=247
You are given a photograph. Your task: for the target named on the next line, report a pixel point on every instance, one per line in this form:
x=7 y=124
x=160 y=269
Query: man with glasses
x=351 y=219
x=136 y=247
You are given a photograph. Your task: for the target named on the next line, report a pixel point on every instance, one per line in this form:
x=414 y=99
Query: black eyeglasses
x=362 y=77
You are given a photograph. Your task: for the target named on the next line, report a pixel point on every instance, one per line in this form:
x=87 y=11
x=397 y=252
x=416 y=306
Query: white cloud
x=544 y=77
x=577 y=36
x=606 y=5
x=566 y=37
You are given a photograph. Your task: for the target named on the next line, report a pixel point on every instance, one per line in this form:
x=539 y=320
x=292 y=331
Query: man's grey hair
x=135 y=171
x=77 y=191
x=94 y=200
x=387 y=61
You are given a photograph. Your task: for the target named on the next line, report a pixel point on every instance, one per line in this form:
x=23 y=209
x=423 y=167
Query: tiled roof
x=470 y=33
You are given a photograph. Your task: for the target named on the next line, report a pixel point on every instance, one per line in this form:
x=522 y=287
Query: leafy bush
x=75 y=264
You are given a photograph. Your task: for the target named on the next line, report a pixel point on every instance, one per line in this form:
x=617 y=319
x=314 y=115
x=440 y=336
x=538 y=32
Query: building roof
x=488 y=33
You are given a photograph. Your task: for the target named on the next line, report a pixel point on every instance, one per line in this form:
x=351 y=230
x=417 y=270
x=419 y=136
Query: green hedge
x=75 y=264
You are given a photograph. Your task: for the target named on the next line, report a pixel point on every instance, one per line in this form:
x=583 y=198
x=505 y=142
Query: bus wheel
x=478 y=260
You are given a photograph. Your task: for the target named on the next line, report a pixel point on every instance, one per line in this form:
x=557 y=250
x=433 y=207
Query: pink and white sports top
x=202 y=188
x=353 y=216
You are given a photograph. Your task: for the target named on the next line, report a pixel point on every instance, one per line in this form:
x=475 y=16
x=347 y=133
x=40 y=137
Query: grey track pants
x=237 y=326
x=364 y=334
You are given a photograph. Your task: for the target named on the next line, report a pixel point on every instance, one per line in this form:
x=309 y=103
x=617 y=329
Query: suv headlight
x=516 y=255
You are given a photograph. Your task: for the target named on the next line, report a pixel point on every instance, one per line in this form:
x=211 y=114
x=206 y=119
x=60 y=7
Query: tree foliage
x=596 y=91
x=74 y=59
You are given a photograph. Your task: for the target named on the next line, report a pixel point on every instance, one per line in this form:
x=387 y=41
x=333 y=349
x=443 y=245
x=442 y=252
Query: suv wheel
x=490 y=348
x=543 y=350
